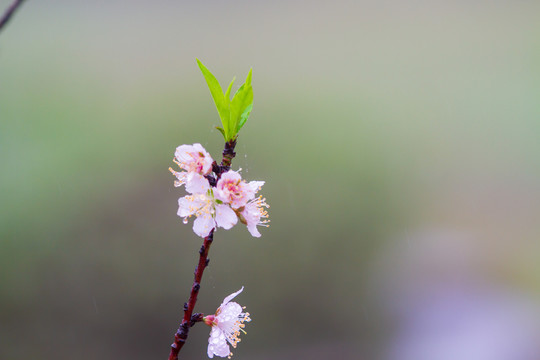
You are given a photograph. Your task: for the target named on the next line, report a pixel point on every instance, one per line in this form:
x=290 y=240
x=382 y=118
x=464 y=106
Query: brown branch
x=189 y=318
x=9 y=12
x=182 y=332
x=228 y=155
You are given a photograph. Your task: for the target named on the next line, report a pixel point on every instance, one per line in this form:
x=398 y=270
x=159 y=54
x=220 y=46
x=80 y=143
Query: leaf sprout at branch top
x=233 y=112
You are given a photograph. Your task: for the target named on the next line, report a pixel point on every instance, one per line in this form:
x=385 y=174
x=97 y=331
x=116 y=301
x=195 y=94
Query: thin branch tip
x=9 y=13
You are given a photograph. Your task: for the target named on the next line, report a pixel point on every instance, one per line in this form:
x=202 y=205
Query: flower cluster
x=216 y=199
x=227 y=323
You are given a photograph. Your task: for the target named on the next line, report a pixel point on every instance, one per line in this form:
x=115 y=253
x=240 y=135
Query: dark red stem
x=182 y=332
x=189 y=318
x=228 y=155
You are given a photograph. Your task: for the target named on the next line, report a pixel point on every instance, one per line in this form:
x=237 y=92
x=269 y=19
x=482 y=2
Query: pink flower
x=252 y=214
x=193 y=159
x=226 y=326
x=231 y=189
x=201 y=203
x=221 y=206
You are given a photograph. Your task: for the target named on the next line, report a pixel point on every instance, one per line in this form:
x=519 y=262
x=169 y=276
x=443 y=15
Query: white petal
x=187 y=206
x=256 y=185
x=228 y=315
x=180 y=176
x=182 y=153
x=230 y=175
x=196 y=183
x=230 y=297
x=207 y=163
x=252 y=228
x=203 y=225
x=198 y=148
x=217 y=344
x=248 y=190
x=225 y=216
x=221 y=195
x=252 y=214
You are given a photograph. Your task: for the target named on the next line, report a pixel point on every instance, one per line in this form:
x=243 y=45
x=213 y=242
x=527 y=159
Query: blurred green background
x=399 y=142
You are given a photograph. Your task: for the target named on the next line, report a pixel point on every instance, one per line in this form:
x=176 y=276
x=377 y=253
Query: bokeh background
x=399 y=142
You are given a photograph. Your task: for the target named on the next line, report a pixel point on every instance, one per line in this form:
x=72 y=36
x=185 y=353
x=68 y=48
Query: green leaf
x=233 y=113
x=228 y=93
x=222 y=132
x=249 y=75
x=222 y=103
x=242 y=100
x=244 y=117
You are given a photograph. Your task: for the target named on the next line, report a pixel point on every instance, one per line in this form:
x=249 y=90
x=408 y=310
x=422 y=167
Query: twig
x=228 y=154
x=9 y=12
x=182 y=332
x=189 y=319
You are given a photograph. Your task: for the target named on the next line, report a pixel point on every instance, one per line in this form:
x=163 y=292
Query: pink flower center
x=233 y=189
x=197 y=164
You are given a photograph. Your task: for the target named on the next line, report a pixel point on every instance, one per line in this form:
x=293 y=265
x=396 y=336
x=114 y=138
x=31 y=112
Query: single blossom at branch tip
x=227 y=323
x=192 y=159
